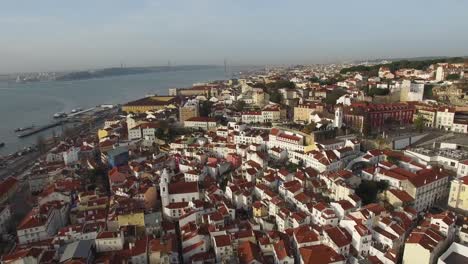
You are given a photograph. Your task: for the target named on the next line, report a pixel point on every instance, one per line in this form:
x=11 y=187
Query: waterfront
x=23 y=104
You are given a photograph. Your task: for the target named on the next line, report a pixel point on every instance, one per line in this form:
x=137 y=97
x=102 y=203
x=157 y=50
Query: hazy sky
x=41 y=35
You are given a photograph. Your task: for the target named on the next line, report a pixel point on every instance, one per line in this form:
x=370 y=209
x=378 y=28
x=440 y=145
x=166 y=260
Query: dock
x=70 y=118
x=41 y=128
x=80 y=112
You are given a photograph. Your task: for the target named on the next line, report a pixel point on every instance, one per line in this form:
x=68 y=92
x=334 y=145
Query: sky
x=61 y=35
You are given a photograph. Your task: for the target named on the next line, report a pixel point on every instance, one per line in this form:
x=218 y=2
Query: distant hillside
x=396 y=65
x=108 y=72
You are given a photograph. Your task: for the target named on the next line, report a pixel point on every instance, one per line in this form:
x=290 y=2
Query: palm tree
x=381 y=142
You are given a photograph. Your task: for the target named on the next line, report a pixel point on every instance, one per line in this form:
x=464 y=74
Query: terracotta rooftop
x=319 y=254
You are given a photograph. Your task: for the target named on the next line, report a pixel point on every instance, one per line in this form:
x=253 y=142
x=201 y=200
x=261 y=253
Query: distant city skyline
x=54 y=35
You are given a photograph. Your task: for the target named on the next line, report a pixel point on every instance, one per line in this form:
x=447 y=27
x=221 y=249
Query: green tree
x=314 y=79
x=240 y=105
x=309 y=128
x=276 y=97
x=368 y=190
x=419 y=123
x=205 y=108
x=334 y=95
x=428 y=91
x=392 y=160
x=453 y=76
x=378 y=91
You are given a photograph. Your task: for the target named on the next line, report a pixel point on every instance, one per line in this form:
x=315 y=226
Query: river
x=24 y=104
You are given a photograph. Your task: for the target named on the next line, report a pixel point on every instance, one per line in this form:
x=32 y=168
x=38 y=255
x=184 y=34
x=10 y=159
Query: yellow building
x=94 y=204
x=102 y=133
x=259 y=209
x=398 y=198
x=188 y=111
x=458 y=198
x=428 y=114
x=303 y=111
x=152 y=103
x=136 y=218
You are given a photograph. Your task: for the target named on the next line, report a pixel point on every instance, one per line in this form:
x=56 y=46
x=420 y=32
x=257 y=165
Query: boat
x=76 y=110
x=60 y=115
x=2 y=144
x=20 y=129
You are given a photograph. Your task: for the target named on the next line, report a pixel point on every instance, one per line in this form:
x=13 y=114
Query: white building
x=109 y=241
x=205 y=123
x=444 y=118
x=70 y=156
x=37 y=226
x=456 y=252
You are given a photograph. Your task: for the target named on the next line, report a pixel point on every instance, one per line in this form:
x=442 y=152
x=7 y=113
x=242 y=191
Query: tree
x=276 y=97
x=453 y=76
x=309 y=128
x=378 y=91
x=240 y=105
x=392 y=160
x=381 y=142
x=368 y=190
x=334 y=95
x=314 y=79
x=396 y=65
x=205 y=108
x=419 y=123
x=428 y=91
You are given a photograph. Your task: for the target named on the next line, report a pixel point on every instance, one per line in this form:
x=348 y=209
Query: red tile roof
x=427 y=238
x=319 y=254
x=402 y=195
x=201 y=119
x=7 y=184
x=339 y=236
x=248 y=252
x=22 y=253
x=222 y=240
x=183 y=187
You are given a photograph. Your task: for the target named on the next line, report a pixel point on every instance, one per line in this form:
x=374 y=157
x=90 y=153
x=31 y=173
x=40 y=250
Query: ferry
x=76 y=110
x=60 y=115
x=20 y=129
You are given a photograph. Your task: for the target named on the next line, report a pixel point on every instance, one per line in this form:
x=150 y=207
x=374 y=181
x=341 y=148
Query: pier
x=41 y=128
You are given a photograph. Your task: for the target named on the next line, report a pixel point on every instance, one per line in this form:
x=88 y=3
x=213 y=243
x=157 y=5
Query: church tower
x=338 y=117
x=163 y=187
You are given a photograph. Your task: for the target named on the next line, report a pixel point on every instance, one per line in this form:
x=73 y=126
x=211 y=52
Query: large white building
x=444 y=118
x=175 y=197
x=411 y=91
x=43 y=223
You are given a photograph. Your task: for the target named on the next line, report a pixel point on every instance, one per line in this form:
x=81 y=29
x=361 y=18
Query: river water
x=24 y=104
